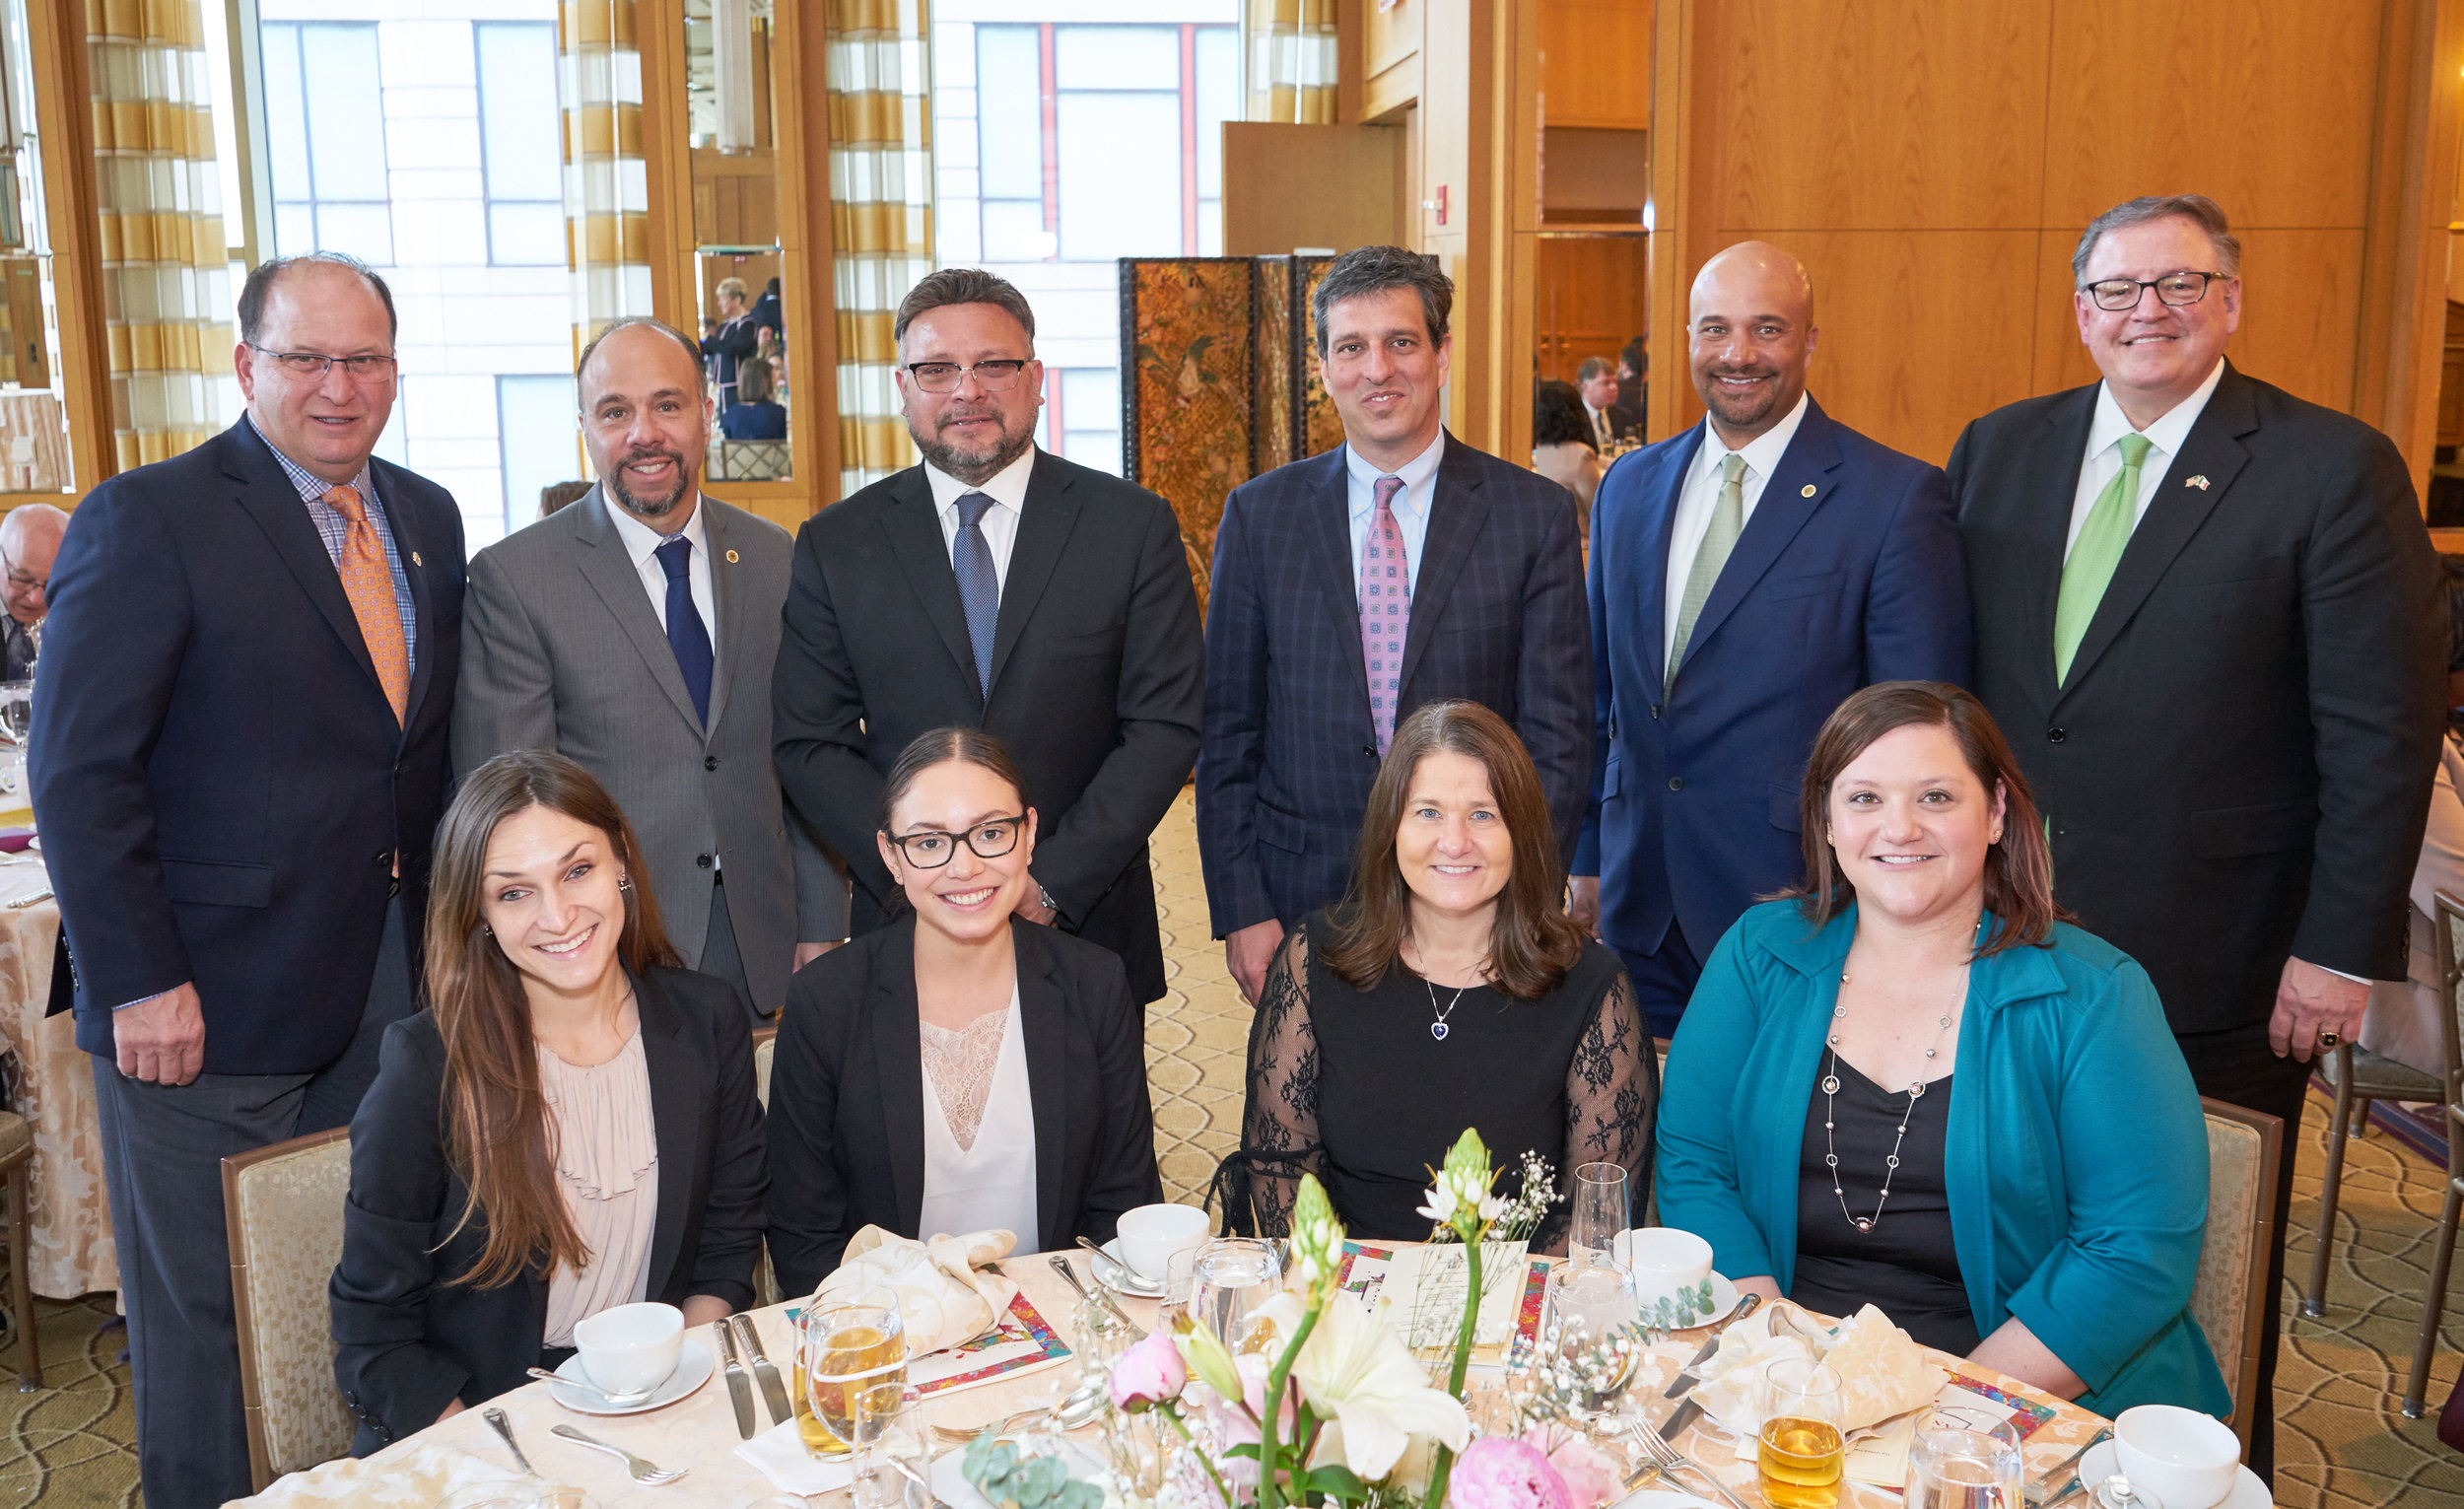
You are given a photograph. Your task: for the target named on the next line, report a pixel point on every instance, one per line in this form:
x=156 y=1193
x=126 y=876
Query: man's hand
x=1031 y=906
x=807 y=953
x=702 y=1309
x=1583 y=903
x=1248 y=951
x=161 y=1040
x=2310 y=1001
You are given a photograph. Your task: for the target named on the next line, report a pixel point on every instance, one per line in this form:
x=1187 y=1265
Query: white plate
x=1113 y=1250
x=1664 y=1498
x=2248 y=1491
x=694 y=1366
x=1723 y=1300
x=949 y=1474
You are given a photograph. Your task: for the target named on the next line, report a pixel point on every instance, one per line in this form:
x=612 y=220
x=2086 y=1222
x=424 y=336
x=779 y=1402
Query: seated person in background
x=1916 y=1023
x=960 y=1069
x=30 y=540
x=569 y=1126
x=1448 y=987
x=1562 y=448
x=2401 y=1020
x=753 y=416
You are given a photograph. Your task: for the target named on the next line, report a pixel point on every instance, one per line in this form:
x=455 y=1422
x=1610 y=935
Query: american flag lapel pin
x=2200 y=482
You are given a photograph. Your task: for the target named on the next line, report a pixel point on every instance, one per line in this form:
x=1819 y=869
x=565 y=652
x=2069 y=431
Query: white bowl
x=1664 y=1259
x=1152 y=1234
x=631 y=1348
x=2187 y=1458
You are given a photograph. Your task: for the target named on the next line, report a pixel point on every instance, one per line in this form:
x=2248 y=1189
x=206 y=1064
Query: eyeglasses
x=999 y=376
x=930 y=849
x=2174 y=288
x=308 y=365
x=20 y=579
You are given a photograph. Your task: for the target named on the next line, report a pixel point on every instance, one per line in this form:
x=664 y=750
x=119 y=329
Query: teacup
x=631 y=1348
x=2187 y=1458
x=1664 y=1259
x=1152 y=1234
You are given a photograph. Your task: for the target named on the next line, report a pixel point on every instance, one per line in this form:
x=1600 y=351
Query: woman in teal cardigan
x=1913 y=1084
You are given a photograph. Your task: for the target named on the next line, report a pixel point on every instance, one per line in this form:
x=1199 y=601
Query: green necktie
x=1727 y=521
x=2089 y=570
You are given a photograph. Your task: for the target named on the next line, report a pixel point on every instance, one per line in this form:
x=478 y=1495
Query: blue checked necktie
x=687 y=634
x=1384 y=610
x=979 y=585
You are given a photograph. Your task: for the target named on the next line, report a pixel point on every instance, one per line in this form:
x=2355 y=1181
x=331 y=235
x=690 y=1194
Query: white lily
x=1357 y=1373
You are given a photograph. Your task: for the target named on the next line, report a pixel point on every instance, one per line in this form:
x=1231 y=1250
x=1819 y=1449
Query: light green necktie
x=1727 y=521
x=2089 y=570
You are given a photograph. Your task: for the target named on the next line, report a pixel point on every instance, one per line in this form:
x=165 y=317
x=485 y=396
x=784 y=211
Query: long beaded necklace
x=1864 y=1224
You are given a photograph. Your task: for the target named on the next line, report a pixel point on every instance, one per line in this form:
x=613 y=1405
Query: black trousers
x=163 y=1151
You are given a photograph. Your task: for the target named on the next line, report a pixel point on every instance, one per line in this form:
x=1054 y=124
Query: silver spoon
x=1083 y=1404
x=612 y=1401
x=504 y=1427
x=1126 y=1279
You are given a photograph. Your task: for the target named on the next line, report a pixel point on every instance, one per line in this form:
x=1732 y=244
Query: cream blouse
x=608 y=1170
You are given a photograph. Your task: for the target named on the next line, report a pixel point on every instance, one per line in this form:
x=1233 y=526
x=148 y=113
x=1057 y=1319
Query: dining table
x=50 y=1084
x=700 y=1434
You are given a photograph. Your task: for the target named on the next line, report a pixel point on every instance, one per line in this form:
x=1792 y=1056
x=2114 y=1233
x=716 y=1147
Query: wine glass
x=1231 y=1279
x=1590 y=1299
x=857 y=1351
x=1600 y=1207
x=1802 y=1453
x=1960 y=1463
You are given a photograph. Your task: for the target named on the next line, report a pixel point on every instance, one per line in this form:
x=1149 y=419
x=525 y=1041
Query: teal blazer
x=2077 y=1154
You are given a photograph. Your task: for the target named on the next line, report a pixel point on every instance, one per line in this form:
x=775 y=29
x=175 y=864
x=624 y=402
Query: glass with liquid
x=1233 y=1277
x=1802 y=1454
x=818 y=1441
x=855 y=1371
x=1956 y=1463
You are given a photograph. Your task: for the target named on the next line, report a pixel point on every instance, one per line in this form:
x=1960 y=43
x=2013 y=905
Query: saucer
x=2248 y=1491
x=1155 y=1285
x=1723 y=1300
x=694 y=1366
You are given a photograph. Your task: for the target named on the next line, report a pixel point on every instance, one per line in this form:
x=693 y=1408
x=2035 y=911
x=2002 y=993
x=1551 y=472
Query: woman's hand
x=702 y=1309
x=450 y=1410
x=2014 y=1349
x=1761 y=1283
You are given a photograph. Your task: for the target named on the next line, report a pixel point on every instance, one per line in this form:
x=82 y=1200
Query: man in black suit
x=999 y=587
x=1596 y=380
x=2209 y=619
x=1307 y=677
x=240 y=758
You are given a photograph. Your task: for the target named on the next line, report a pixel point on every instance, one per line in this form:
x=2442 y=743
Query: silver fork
x=647 y=1473
x=1670 y=1460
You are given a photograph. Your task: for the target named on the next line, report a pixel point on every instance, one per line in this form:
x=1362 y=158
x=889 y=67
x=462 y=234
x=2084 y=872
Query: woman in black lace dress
x=1447 y=990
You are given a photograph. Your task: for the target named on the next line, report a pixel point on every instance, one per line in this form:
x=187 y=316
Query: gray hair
x=261 y=279
x=963 y=285
x=692 y=347
x=2198 y=209
x=1374 y=270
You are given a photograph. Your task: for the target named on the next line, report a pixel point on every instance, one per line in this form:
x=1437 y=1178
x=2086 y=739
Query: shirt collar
x=2169 y=429
x=1763 y=453
x=311 y=487
x=1416 y=474
x=1007 y=488
x=641 y=540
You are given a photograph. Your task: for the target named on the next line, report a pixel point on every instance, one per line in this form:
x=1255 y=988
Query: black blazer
x=408 y=1339
x=220 y=781
x=1097 y=684
x=847 y=1104
x=2239 y=764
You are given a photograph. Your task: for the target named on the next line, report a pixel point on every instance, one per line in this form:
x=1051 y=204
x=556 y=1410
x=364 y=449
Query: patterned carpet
x=2341 y=1441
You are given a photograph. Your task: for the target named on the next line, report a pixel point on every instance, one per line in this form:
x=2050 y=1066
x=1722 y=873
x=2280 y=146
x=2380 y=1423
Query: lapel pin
x=731 y=557
x=1808 y=490
x=415 y=560
x=2200 y=482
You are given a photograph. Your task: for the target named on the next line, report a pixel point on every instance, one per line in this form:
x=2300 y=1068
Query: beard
x=1740 y=411
x=651 y=506
x=974 y=464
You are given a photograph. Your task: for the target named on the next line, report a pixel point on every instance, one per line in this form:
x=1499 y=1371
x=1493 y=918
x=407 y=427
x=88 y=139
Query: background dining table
x=51 y=1085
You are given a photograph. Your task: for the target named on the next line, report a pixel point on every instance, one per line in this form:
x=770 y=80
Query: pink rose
x=1591 y=1479
x=1148 y=1373
x=1502 y=1473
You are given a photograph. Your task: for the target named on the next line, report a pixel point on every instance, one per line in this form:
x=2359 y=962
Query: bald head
x=29 y=540
x=1751 y=337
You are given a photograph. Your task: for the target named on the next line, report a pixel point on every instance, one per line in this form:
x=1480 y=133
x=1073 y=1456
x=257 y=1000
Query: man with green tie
x=2208 y=618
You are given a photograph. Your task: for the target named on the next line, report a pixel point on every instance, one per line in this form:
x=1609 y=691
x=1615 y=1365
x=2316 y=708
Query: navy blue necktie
x=979 y=585
x=687 y=634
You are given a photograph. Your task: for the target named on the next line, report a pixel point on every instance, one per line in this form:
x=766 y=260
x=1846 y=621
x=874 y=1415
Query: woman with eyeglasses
x=960 y=1069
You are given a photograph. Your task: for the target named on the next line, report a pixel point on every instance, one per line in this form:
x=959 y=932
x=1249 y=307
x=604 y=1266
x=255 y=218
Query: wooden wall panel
x=1590 y=299
x=1596 y=63
x=1287 y=185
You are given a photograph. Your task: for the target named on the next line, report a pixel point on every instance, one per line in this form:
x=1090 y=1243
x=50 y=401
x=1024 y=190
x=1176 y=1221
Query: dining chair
x=283 y=1206
x=2243 y=1153
x=2447 y=919
x=17 y=1156
x=765 y=1047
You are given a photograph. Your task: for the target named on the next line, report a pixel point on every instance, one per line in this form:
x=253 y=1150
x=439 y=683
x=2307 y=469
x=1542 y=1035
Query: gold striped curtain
x=607 y=189
x=1291 y=61
x=882 y=215
x=165 y=272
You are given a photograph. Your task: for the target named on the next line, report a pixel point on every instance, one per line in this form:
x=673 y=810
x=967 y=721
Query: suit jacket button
x=1676 y=782
x=384 y=859
x=701 y=860
x=1655 y=710
x=2056 y=735
x=709 y=762
x=1371 y=750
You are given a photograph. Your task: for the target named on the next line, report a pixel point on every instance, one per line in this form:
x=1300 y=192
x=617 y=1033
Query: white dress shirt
x=1411 y=505
x=1602 y=431
x=1701 y=494
x=641 y=542
x=2104 y=450
x=1007 y=488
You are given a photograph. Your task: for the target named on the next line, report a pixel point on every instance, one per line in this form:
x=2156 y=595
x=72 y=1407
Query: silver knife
x=766 y=1373
x=739 y=1388
x=1683 y=1414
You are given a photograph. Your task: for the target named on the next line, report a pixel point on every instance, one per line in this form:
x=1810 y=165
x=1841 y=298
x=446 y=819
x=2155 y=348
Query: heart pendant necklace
x=1437 y=1029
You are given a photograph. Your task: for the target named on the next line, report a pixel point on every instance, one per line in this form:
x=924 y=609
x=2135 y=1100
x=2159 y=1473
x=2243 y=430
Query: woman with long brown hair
x=1912 y=1083
x=1447 y=988
x=569 y=1126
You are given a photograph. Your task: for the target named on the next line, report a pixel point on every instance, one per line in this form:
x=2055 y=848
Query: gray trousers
x=163 y=1151
x=720 y=959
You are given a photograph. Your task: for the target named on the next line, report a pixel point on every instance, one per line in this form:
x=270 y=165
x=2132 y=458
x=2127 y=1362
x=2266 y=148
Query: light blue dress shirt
x=1411 y=505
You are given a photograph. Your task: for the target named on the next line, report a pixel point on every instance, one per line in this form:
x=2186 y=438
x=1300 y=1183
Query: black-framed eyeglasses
x=2174 y=288
x=313 y=365
x=998 y=375
x=990 y=838
x=20 y=579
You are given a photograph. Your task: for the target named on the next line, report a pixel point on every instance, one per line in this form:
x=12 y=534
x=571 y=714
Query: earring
x=490 y=931
x=625 y=884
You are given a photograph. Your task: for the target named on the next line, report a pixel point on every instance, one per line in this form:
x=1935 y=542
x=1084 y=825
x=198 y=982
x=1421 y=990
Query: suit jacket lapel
x=915 y=530
x=728 y=603
x=1660 y=494
x=401 y=518
x=1044 y=526
x=1326 y=519
x=2213 y=450
x=675 y=1119
x=1798 y=486
x=608 y=566
x=1458 y=511
x=266 y=492
x=897 y=1064
x=1044 y=1020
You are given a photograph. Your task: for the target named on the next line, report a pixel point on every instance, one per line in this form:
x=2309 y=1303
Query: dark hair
x=692 y=347
x=2199 y=209
x=2018 y=867
x=1636 y=357
x=261 y=280
x=963 y=285
x=1558 y=415
x=497 y=1126
x=1532 y=942
x=937 y=746
x=561 y=495
x=2455 y=565
x=1593 y=367
x=753 y=381
x=1374 y=270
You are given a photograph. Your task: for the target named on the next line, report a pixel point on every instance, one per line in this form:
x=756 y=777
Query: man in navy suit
x=1354 y=587
x=240 y=758
x=1746 y=575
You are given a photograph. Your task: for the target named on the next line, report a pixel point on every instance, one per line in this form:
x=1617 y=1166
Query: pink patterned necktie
x=1384 y=610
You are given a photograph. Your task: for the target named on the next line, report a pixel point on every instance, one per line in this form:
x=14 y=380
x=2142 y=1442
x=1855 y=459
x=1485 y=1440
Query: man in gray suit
x=591 y=633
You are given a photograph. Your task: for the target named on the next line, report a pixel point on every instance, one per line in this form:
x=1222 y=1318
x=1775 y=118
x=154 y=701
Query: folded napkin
x=946 y=1292
x=1882 y=1371
x=415 y=1478
x=779 y=1453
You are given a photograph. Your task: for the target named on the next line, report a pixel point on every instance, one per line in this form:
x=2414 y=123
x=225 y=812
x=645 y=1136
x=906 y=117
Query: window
x=1009 y=123
x=535 y=429
x=329 y=185
x=519 y=133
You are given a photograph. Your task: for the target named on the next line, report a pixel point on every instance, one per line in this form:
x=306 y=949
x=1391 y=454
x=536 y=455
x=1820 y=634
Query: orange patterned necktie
x=368 y=583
